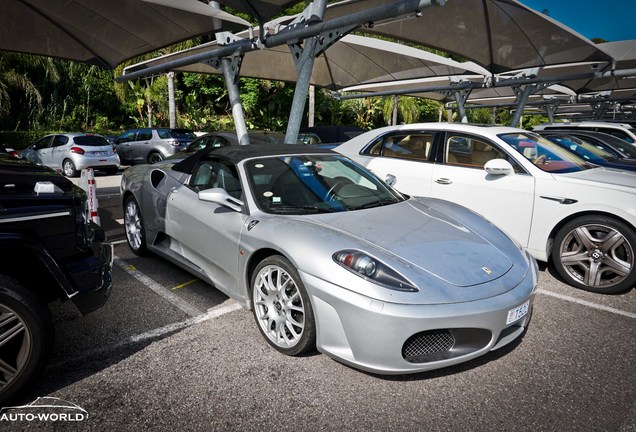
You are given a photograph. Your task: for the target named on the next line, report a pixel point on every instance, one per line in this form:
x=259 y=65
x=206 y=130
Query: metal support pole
x=304 y=66
x=461 y=96
x=231 y=82
x=522 y=98
x=304 y=58
x=231 y=68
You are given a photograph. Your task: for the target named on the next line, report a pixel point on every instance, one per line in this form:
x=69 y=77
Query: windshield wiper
x=315 y=209
x=372 y=204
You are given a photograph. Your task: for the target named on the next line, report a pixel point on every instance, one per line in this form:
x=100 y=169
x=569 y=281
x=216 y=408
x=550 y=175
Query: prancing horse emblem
x=487 y=270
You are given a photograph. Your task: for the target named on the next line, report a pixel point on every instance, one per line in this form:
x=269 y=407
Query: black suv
x=49 y=250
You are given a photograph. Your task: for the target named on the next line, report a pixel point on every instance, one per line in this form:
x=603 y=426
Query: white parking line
x=210 y=314
x=587 y=303
x=215 y=312
x=157 y=288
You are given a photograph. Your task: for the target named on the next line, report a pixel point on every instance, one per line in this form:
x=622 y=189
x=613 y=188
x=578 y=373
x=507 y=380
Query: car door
x=38 y=151
x=125 y=144
x=142 y=145
x=505 y=200
x=58 y=151
x=209 y=234
x=403 y=159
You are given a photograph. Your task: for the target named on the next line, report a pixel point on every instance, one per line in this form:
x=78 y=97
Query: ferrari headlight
x=373 y=270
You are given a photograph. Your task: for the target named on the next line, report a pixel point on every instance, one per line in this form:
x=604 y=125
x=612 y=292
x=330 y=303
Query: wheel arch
x=31 y=264
x=573 y=216
x=253 y=261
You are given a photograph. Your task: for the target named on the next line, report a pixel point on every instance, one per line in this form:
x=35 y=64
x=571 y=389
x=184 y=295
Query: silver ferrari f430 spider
x=328 y=256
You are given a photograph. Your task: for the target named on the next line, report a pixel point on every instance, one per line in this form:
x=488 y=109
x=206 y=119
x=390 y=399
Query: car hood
x=20 y=175
x=608 y=177
x=424 y=238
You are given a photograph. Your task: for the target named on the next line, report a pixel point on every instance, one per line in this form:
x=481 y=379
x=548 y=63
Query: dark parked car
x=150 y=145
x=329 y=134
x=228 y=138
x=590 y=151
x=49 y=250
x=615 y=146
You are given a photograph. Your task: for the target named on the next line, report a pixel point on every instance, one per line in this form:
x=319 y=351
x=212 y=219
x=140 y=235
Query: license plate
x=518 y=312
x=100 y=153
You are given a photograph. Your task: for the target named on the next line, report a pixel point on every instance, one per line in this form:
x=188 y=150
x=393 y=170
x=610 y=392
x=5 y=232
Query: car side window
x=42 y=143
x=210 y=174
x=127 y=136
x=415 y=146
x=144 y=135
x=163 y=134
x=467 y=151
x=59 y=140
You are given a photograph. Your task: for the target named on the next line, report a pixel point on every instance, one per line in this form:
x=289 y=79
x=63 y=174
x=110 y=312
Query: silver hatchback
x=72 y=152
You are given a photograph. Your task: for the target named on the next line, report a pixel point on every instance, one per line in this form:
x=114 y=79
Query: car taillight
x=77 y=150
x=174 y=142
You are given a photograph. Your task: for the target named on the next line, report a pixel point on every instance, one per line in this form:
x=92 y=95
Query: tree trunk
x=172 y=109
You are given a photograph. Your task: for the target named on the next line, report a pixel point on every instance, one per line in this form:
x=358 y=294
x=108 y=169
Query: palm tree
x=14 y=75
x=406 y=109
x=123 y=90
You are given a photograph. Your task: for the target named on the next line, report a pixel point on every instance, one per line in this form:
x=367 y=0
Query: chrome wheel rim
x=597 y=255
x=15 y=345
x=133 y=225
x=69 y=168
x=279 y=307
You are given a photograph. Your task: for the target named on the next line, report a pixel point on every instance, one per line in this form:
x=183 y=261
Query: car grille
x=441 y=344
x=422 y=345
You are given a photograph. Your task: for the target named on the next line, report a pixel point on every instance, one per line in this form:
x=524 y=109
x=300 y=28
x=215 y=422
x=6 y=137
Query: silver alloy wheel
x=132 y=222
x=16 y=345
x=279 y=307
x=68 y=167
x=597 y=255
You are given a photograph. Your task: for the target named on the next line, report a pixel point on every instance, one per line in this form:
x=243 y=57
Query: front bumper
x=92 y=276
x=380 y=337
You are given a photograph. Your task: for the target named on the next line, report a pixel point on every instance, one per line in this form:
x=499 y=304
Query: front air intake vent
x=423 y=346
x=434 y=345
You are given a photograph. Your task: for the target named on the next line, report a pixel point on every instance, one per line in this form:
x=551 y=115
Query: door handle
x=443 y=181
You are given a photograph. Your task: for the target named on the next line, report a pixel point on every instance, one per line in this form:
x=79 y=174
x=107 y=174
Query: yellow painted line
x=182 y=285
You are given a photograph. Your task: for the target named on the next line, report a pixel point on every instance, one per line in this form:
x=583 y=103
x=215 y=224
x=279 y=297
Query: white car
x=559 y=207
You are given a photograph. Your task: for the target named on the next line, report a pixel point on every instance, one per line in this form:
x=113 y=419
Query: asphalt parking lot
x=169 y=352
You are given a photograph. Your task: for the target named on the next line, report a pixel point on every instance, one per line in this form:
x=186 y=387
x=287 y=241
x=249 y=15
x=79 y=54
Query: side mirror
x=221 y=197
x=390 y=179
x=499 y=167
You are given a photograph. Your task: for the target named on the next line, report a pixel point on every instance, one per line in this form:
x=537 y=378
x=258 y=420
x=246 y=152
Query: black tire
x=26 y=326
x=292 y=328
x=68 y=168
x=154 y=157
x=596 y=253
x=134 y=227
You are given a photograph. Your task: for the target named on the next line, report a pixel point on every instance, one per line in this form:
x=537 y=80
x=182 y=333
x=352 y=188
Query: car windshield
x=91 y=141
x=545 y=154
x=309 y=184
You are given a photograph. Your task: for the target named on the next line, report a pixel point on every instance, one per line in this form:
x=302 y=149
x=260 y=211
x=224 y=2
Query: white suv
x=623 y=131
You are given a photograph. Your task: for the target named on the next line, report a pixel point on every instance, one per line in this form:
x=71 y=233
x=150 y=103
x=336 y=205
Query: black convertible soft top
x=238 y=153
